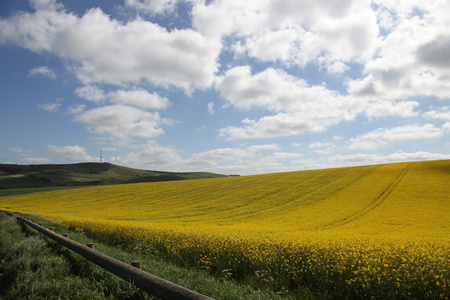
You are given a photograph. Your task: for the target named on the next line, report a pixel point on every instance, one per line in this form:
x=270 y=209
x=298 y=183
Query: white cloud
x=219 y=18
x=71 y=153
x=211 y=108
x=263 y=147
x=441 y=113
x=18 y=150
x=153 y=156
x=44 y=71
x=292 y=31
x=76 y=109
x=273 y=45
x=100 y=49
x=299 y=107
x=91 y=93
x=122 y=122
x=410 y=58
x=242 y=160
x=367 y=159
x=27 y=155
x=382 y=108
x=282 y=124
x=318 y=145
x=45 y=4
x=216 y=156
x=296 y=145
x=115 y=53
x=337 y=67
x=382 y=137
x=36 y=160
x=286 y=155
x=446 y=127
x=139 y=98
x=51 y=106
x=152 y=7
x=238 y=160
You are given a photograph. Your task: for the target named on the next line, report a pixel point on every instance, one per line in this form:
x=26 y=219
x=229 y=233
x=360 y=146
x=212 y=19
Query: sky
x=225 y=86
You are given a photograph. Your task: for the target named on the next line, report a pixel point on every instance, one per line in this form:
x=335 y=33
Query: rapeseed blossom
x=376 y=231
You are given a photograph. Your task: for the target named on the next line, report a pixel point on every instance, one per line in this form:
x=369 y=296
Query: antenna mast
x=101 y=155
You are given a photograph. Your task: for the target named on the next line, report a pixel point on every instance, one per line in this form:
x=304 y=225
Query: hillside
x=415 y=197
x=82 y=174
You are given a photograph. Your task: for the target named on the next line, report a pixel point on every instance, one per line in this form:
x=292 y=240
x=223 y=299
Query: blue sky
x=233 y=87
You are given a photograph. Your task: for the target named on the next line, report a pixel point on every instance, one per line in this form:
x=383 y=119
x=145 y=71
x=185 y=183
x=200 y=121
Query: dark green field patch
x=32 y=178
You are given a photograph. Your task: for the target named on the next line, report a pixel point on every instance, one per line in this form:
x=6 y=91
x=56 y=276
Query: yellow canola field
x=381 y=231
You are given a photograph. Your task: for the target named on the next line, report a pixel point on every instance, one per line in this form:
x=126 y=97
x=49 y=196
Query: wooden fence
x=152 y=284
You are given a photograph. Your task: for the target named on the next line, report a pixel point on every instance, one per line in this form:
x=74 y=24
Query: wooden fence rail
x=152 y=284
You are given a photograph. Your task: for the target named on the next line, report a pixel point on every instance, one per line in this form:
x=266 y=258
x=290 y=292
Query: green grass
x=35 y=267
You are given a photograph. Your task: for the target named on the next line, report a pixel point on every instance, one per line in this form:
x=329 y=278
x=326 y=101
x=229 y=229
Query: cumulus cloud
x=122 y=122
x=382 y=137
x=213 y=157
x=26 y=155
x=298 y=107
x=440 y=113
x=152 y=7
x=318 y=145
x=216 y=156
x=139 y=98
x=71 y=153
x=91 y=93
x=367 y=159
x=51 y=106
x=211 y=108
x=36 y=160
x=152 y=156
x=126 y=117
x=76 y=109
x=337 y=68
x=381 y=108
x=446 y=127
x=100 y=49
x=295 y=32
x=18 y=150
x=435 y=52
x=254 y=159
x=44 y=71
x=410 y=58
x=286 y=155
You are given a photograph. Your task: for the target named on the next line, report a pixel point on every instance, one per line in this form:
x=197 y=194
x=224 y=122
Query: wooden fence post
x=137 y=264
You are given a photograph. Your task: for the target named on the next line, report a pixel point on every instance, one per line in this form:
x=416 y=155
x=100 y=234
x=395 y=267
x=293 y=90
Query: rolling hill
x=82 y=174
x=414 y=196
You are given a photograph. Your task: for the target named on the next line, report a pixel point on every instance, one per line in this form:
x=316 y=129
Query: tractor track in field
x=376 y=203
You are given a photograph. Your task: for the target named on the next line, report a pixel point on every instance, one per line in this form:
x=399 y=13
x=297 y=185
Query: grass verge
x=35 y=267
